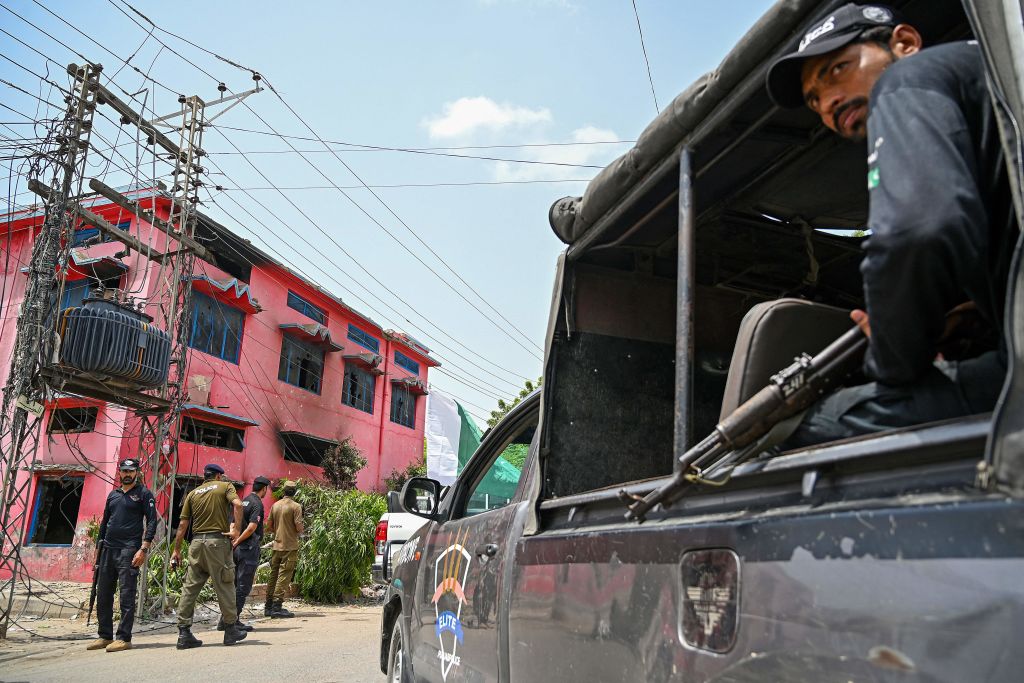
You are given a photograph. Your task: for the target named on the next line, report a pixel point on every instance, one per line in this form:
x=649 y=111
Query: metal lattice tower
x=25 y=393
x=159 y=441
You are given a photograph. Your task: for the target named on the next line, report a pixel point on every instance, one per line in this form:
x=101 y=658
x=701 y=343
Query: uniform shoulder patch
x=245 y=503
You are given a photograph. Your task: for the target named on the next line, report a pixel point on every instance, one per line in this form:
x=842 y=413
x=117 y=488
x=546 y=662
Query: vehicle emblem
x=450 y=571
x=710 y=598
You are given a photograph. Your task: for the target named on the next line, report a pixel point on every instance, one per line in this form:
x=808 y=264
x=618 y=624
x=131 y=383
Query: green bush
x=396 y=480
x=337 y=552
x=175 y=577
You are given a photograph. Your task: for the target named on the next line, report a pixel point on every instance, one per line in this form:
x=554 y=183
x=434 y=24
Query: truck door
x=455 y=605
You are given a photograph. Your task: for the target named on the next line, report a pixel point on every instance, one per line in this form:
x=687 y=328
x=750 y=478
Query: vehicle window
x=498 y=485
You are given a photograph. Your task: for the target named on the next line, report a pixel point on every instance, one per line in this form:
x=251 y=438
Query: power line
x=360 y=147
x=646 y=61
x=349 y=198
x=399 y=185
x=461 y=381
x=474 y=386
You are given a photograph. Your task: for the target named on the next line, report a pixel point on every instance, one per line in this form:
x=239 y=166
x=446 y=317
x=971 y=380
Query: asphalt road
x=320 y=644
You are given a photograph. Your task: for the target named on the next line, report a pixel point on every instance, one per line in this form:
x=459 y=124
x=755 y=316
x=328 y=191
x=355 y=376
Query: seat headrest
x=771 y=335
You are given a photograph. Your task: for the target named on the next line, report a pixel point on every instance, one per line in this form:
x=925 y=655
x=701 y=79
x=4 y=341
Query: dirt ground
x=322 y=643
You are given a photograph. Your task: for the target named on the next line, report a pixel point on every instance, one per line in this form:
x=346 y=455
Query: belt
x=210 y=534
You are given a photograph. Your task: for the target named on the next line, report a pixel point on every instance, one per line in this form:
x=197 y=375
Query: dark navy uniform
x=247 y=553
x=122 y=534
x=942 y=233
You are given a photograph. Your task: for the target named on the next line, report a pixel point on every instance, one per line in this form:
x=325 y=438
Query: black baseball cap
x=831 y=32
x=261 y=481
x=128 y=464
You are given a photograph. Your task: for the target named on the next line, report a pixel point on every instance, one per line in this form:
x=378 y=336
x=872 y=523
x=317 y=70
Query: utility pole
x=25 y=393
x=37 y=368
x=163 y=459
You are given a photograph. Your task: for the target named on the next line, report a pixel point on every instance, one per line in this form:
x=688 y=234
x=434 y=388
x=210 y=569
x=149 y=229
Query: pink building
x=278 y=371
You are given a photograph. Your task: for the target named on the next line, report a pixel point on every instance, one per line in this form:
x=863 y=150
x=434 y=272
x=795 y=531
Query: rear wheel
x=397 y=663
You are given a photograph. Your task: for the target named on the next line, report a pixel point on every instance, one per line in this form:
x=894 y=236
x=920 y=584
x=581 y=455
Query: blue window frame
x=363 y=338
x=403 y=406
x=55 y=510
x=307 y=308
x=216 y=328
x=75 y=293
x=83 y=235
x=360 y=386
x=302 y=364
x=403 y=361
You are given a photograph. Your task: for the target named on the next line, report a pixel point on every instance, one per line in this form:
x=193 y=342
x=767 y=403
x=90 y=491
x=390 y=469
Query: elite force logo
x=450 y=571
x=710 y=598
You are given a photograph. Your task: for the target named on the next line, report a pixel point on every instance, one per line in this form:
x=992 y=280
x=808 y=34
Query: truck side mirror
x=420 y=496
x=394 y=502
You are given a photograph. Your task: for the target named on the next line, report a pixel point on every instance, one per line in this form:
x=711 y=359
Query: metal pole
x=25 y=393
x=685 y=301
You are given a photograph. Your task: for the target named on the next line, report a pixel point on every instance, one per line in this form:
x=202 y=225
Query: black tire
x=398 y=662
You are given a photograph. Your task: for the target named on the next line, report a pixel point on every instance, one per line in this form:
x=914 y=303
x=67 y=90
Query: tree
x=396 y=480
x=505 y=406
x=342 y=463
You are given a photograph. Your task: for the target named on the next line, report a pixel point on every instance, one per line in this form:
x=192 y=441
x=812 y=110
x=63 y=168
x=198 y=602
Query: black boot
x=186 y=640
x=280 y=612
x=220 y=624
x=268 y=608
x=234 y=634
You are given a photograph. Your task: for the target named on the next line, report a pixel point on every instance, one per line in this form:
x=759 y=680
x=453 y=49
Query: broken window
x=359 y=388
x=72 y=420
x=302 y=364
x=182 y=486
x=216 y=328
x=403 y=406
x=55 y=513
x=212 y=434
x=305 y=448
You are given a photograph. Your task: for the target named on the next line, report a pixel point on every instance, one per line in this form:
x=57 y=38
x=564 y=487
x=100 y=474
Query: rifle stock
x=789 y=392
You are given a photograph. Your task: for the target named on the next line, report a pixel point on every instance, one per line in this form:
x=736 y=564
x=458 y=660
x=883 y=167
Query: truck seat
x=771 y=335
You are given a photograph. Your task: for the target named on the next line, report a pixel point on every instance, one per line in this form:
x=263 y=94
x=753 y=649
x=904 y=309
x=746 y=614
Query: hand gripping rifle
x=736 y=437
x=95 y=578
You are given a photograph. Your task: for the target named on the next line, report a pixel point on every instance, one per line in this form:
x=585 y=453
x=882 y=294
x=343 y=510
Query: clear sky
x=410 y=75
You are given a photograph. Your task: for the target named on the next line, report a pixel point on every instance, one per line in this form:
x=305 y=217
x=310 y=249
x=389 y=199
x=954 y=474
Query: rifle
x=95 y=577
x=738 y=436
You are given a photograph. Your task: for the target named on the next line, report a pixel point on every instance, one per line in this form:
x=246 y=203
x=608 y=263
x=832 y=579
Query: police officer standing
x=247 y=546
x=122 y=548
x=285 y=522
x=209 y=553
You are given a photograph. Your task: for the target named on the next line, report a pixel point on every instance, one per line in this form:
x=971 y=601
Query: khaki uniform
x=284 y=520
x=209 y=553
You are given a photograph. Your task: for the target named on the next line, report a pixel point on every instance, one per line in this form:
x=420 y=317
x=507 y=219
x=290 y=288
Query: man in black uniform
x=122 y=548
x=941 y=214
x=247 y=546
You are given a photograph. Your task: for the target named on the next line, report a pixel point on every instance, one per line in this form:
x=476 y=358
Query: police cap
x=830 y=32
x=128 y=464
x=261 y=481
x=213 y=467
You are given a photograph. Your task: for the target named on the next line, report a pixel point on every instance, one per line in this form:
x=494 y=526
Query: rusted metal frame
x=101 y=224
x=106 y=97
x=686 y=287
x=133 y=207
